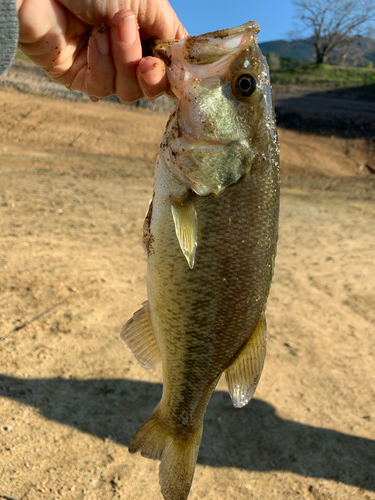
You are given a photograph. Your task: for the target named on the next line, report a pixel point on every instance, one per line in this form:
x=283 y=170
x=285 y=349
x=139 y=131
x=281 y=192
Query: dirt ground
x=75 y=183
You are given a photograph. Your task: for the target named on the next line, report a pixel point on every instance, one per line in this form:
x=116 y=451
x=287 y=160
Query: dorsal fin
x=139 y=338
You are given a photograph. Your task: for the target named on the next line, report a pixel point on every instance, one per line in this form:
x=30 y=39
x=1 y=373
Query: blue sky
x=201 y=16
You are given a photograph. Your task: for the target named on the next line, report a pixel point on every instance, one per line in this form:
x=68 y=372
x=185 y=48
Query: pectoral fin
x=185 y=223
x=139 y=338
x=243 y=374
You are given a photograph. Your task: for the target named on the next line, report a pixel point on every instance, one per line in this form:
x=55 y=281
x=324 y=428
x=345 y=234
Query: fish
x=210 y=236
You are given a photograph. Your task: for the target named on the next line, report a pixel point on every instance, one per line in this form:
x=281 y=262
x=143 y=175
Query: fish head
x=221 y=80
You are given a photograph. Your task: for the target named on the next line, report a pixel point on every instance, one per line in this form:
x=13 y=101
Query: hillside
x=362 y=51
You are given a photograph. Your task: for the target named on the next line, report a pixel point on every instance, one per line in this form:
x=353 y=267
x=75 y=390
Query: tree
x=273 y=61
x=334 y=23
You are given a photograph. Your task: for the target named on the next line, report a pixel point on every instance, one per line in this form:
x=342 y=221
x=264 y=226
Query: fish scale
x=210 y=236
x=226 y=289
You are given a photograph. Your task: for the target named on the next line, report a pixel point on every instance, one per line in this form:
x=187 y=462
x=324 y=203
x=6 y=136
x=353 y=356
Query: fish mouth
x=209 y=47
x=203 y=55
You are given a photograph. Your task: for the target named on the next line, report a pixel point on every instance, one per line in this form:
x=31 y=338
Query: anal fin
x=139 y=338
x=244 y=373
x=185 y=223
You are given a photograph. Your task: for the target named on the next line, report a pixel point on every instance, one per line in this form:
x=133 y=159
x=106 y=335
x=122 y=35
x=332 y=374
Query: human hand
x=95 y=45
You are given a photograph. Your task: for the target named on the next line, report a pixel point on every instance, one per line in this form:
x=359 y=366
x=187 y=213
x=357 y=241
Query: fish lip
x=224 y=33
x=159 y=47
x=157 y=51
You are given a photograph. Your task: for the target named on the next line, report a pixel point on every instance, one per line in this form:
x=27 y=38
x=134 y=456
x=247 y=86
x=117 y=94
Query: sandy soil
x=75 y=184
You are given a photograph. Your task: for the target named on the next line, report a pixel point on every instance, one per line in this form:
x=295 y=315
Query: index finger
x=126 y=53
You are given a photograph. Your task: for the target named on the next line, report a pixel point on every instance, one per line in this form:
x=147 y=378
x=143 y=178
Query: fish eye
x=245 y=85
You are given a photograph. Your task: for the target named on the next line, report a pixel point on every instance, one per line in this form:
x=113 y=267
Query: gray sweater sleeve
x=8 y=33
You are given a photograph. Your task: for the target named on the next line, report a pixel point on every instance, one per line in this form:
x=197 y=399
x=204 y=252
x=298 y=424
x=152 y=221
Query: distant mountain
x=300 y=50
x=362 y=51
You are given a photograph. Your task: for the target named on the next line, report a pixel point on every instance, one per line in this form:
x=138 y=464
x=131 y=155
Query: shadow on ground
x=253 y=438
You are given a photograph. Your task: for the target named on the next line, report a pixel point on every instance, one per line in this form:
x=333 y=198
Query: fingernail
x=94 y=99
x=102 y=42
x=127 y=29
x=155 y=66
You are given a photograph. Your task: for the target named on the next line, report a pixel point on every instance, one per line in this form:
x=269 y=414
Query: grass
x=325 y=76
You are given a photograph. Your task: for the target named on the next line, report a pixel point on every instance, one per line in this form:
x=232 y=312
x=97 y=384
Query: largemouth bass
x=210 y=236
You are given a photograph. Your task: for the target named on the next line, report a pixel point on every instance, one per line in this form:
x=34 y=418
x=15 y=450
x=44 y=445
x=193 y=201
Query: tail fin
x=178 y=456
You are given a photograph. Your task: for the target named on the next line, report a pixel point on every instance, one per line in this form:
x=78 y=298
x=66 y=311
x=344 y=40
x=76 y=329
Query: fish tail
x=178 y=455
